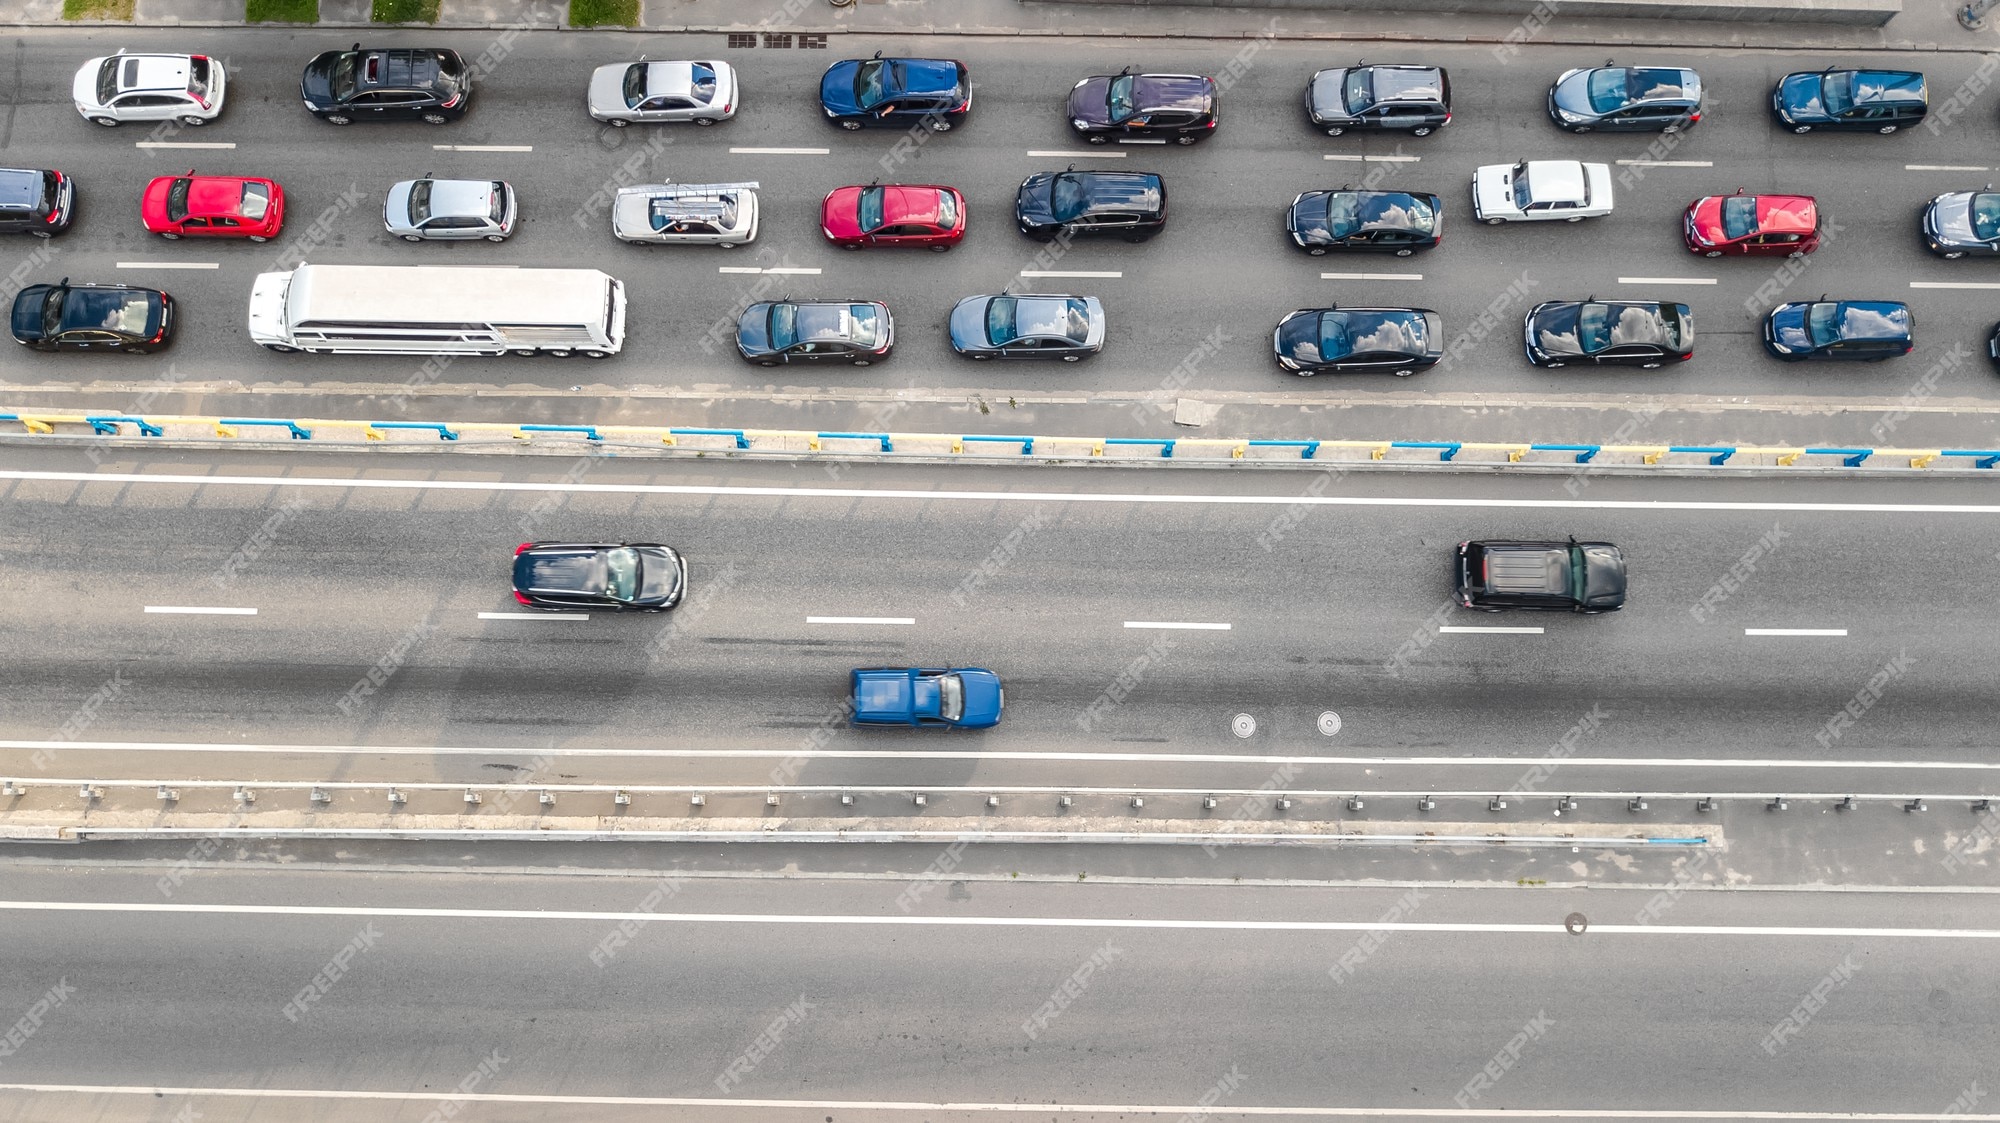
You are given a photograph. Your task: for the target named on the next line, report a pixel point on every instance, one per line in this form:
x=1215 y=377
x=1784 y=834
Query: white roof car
x=1540 y=191
x=708 y=214
x=703 y=92
x=121 y=87
x=419 y=210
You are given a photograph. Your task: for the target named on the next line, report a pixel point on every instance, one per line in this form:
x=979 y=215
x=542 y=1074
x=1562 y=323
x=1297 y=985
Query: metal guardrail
x=1183 y=449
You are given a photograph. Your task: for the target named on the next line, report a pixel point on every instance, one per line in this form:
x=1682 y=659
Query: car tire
x=1317 y=251
x=1953 y=255
x=1887 y=129
x=281 y=348
x=724 y=245
x=1574 y=218
x=617 y=123
x=704 y=122
x=1671 y=129
x=1071 y=358
x=1336 y=130
x=194 y=122
x=496 y=237
x=1404 y=253
x=940 y=126
x=559 y=352
x=979 y=358
x=1580 y=129
x=107 y=122
x=1649 y=366
x=42 y=233
x=851 y=126
x=1135 y=239
x=1405 y=373
x=1553 y=366
x=1186 y=139
x=863 y=362
x=1713 y=253
x=766 y=363
x=337 y=119
x=1495 y=221
x=1802 y=129
x=1424 y=131
x=523 y=352
x=260 y=238
x=1098 y=140
x=1796 y=253
x=413 y=237
x=594 y=353
x=171 y=237
x=941 y=249
x=435 y=118
x=1305 y=373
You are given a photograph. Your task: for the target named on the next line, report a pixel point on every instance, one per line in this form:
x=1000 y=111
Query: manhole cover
x=1576 y=922
x=1329 y=723
x=1243 y=725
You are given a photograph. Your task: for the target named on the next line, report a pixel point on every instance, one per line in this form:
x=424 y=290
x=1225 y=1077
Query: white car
x=438 y=210
x=1541 y=191
x=118 y=88
x=703 y=92
x=703 y=214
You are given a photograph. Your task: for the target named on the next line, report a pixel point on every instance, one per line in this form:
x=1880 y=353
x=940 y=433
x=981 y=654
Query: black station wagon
x=1132 y=205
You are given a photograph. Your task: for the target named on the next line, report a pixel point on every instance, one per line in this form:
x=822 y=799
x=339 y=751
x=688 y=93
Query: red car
x=895 y=215
x=1764 y=225
x=213 y=206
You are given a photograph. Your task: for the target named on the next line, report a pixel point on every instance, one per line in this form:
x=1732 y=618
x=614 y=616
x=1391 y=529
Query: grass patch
x=98 y=9
x=404 y=11
x=281 y=11
x=604 y=13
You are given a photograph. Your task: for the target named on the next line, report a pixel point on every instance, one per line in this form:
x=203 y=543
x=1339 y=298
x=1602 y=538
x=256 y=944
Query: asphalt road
x=936 y=1005
x=1223 y=273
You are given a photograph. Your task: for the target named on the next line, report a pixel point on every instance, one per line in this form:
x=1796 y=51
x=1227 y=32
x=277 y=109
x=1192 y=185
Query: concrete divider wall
x=1857 y=13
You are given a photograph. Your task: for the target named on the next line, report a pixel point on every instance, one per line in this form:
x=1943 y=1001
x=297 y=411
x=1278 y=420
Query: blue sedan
x=896 y=92
x=954 y=698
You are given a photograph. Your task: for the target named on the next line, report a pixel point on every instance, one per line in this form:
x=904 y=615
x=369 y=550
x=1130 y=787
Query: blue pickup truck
x=953 y=698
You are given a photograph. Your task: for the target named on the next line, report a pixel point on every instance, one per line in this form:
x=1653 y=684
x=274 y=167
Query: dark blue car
x=954 y=698
x=1877 y=101
x=896 y=92
x=1855 y=330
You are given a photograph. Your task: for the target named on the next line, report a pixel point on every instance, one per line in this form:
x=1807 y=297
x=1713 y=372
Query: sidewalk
x=1925 y=25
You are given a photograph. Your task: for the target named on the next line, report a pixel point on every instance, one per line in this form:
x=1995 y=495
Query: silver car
x=423 y=210
x=703 y=92
x=701 y=214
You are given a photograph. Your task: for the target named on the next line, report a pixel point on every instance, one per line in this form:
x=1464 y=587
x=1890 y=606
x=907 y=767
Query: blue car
x=1866 y=331
x=896 y=92
x=955 y=698
x=1875 y=101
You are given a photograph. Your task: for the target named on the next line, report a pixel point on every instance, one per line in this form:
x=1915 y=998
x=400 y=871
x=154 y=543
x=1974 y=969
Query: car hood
x=607 y=88
x=660 y=575
x=753 y=330
x=83 y=89
x=836 y=87
x=1031 y=203
x=968 y=323
x=28 y=312
x=1705 y=215
x=1951 y=217
x=1328 y=93
x=840 y=212
x=1572 y=92
x=1603 y=576
x=1298 y=337
x=1308 y=217
x=1089 y=101
x=1787 y=328
x=1799 y=95
x=982 y=697
x=1493 y=189
x=316 y=84
x=396 y=208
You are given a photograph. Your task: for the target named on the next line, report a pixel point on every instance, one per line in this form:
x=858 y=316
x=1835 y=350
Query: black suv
x=1143 y=107
x=1132 y=205
x=1567 y=576
x=1411 y=99
x=41 y=203
x=342 y=87
x=634 y=576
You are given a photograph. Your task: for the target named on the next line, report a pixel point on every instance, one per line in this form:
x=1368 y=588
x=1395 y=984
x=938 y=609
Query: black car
x=1397 y=222
x=41 y=202
x=430 y=84
x=815 y=331
x=1410 y=99
x=1567 y=576
x=1143 y=107
x=1876 y=101
x=1963 y=222
x=896 y=92
x=66 y=317
x=1632 y=333
x=1132 y=205
x=1993 y=347
x=628 y=576
x=1027 y=326
x=1866 y=331
x=1626 y=99
x=1399 y=341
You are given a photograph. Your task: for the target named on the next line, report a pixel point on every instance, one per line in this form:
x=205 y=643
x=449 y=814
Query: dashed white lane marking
x=1795 y=631
x=168 y=265
x=1359 y=159
x=773 y=271
x=780 y=151
x=1114 y=274
x=861 y=619
x=1666 y=163
x=1666 y=280
x=1946 y=168
x=184 y=144
x=1371 y=276
x=534 y=616
x=1077 y=155
x=482 y=148
x=196 y=610
x=1528 y=630
x=1955 y=284
x=1177 y=625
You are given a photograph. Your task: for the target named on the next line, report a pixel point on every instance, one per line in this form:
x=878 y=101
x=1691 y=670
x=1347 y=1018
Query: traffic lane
x=877 y=1014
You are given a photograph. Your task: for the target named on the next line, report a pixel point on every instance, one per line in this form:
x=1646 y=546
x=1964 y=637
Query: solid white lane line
x=1522 y=631
x=193 y=610
x=534 y=616
x=1666 y=280
x=1113 y=274
x=775 y=270
x=1092 y=153
x=1350 y=158
x=184 y=144
x=1955 y=284
x=1177 y=625
x=561 y=488
x=482 y=148
x=168 y=265
x=1795 y=631
x=780 y=151
x=1946 y=168
x=1371 y=276
x=861 y=619
x=864 y=1107
x=1666 y=163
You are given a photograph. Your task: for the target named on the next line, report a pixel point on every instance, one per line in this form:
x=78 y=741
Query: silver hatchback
x=423 y=210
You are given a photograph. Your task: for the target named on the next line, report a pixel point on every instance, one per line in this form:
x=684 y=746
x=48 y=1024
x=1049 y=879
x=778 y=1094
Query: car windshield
x=1739 y=216
x=177 y=199
x=1360 y=91
x=1067 y=198
x=947 y=211
x=1824 y=323
x=635 y=85
x=1673 y=325
x=862 y=326
x=256 y=201
x=703 y=84
x=871 y=209
x=1333 y=341
x=1000 y=319
x=876 y=82
x=1593 y=328
x=951 y=697
x=52 y=312
x=498 y=210
x=1522 y=196
x=420 y=201
x=784 y=325
x=1984 y=214
x=1610 y=89
x=107 y=81
x=1836 y=92
x=621 y=573
x=1120 y=98
x=198 y=77
x=342 y=79
x=1343 y=213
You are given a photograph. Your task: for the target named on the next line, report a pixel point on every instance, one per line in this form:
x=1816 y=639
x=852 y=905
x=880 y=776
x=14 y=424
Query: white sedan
x=702 y=92
x=711 y=214
x=1541 y=191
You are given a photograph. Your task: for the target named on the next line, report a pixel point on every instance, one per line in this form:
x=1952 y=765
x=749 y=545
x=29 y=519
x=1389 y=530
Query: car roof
x=903 y=203
x=1187 y=92
x=1787 y=214
x=1872 y=319
x=1556 y=181
x=1407 y=83
x=153 y=72
x=565 y=569
x=213 y=194
x=669 y=79
x=398 y=67
x=20 y=187
x=462 y=198
x=1887 y=85
x=922 y=75
x=824 y=320
x=1119 y=190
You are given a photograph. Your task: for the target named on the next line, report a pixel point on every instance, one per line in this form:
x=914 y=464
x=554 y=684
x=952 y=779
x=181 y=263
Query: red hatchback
x=1764 y=225
x=213 y=206
x=895 y=215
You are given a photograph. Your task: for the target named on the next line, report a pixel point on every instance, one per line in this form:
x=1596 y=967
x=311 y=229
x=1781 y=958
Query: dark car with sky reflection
x=859 y=332
x=1963 y=223
x=1866 y=331
x=67 y=317
x=614 y=576
x=1632 y=333
x=1873 y=101
x=1143 y=107
x=1129 y=205
x=1626 y=99
x=1028 y=326
x=1336 y=340
x=1381 y=98
x=1397 y=222
x=859 y=93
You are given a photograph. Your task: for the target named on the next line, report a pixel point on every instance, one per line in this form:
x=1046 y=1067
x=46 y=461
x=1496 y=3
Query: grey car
x=623 y=93
x=1028 y=326
x=709 y=214
x=426 y=210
